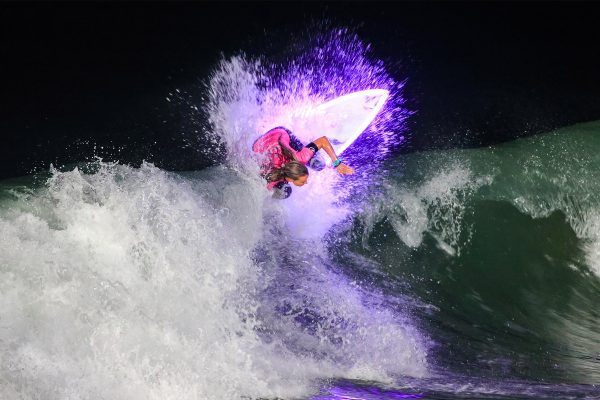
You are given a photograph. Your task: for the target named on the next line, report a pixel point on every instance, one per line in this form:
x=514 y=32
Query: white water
x=435 y=206
x=133 y=283
x=554 y=172
x=140 y=284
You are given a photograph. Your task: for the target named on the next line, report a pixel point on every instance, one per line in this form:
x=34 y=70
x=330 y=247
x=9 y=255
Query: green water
x=500 y=246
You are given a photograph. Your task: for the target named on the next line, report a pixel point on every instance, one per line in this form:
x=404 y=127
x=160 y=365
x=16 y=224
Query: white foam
x=140 y=284
x=435 y=206
x=123 y=291
x=130 y=284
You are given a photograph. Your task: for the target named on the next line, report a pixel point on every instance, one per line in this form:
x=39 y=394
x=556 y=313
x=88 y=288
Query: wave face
x=502 y=243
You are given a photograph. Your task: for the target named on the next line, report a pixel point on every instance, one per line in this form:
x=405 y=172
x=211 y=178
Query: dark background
x=85 y=79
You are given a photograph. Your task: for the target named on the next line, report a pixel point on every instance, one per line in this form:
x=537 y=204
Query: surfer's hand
x=344 y=169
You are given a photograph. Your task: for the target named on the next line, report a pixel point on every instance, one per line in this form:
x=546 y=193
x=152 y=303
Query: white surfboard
x=344 y=118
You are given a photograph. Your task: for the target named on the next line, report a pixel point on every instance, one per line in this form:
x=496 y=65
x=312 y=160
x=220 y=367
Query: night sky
x=79 y=75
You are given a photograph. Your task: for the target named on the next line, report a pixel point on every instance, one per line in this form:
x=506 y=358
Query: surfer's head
x=293 y=171
x=300 y=181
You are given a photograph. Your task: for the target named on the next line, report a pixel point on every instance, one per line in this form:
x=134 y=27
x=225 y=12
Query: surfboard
x=342 y=119
x=346 y=117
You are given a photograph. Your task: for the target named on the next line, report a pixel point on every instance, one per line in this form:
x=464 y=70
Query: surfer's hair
x=287 y=153
x=293 y=170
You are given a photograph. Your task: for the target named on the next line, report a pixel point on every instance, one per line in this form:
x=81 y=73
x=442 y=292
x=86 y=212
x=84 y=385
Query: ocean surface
x=443 y=274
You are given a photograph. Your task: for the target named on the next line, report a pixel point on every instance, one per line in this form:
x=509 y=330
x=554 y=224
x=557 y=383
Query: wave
x=138 y=283
x=124 y=282
x=426 y=271
x=502 y=243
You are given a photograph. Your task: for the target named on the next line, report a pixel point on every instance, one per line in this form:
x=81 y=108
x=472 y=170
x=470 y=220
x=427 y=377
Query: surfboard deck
x=342 y=119
x=346 y=117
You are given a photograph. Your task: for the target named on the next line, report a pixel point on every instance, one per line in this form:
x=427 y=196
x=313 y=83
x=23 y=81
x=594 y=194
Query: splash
x=319 y=312
x=136 y=283
x=434 y=205
x=141 y=284
x=249 y=96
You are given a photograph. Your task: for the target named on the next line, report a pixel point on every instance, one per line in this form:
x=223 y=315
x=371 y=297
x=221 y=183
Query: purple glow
x=247 y=96
x=372 y=102
x=350 y=392
x=334 y=64
x=321 y=319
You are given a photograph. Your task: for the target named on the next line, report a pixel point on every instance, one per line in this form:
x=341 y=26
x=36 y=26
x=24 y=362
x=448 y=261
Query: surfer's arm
x=325 y=144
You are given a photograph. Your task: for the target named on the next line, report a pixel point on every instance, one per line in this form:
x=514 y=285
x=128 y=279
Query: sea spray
x=247 y=96
x=311 y=214
x=115 y=286
x=137 y=283
x=130 y=283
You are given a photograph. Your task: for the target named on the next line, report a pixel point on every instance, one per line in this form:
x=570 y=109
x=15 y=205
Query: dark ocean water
x=501 y=244
x=462 y=261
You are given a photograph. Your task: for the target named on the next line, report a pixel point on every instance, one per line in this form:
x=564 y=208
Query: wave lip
x=501 y=242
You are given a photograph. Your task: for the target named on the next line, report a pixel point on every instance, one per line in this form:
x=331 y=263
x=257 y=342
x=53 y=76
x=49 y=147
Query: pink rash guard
x=268 y=144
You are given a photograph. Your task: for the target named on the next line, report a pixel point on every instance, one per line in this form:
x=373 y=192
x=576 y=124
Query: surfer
x=287 y=159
